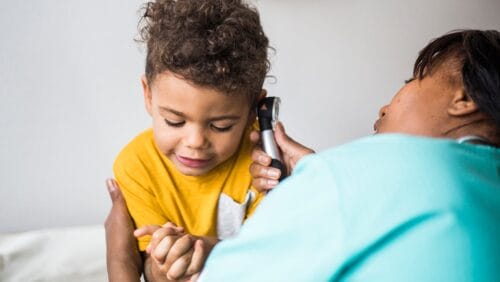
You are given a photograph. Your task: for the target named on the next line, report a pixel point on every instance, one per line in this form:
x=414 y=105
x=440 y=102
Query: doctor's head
x=454 y=90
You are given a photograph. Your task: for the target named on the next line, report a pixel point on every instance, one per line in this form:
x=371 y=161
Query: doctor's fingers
x=260 y=157
x=264 y=184
x=255 y=136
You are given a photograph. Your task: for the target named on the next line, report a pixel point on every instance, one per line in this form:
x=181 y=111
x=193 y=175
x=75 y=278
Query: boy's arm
x=122 y=255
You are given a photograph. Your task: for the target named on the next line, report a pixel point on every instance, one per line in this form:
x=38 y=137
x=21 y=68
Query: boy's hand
x=266 y=177
x=175 y=255
x=124 y=262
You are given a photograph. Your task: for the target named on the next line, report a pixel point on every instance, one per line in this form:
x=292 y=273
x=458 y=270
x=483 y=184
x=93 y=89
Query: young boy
x=205 y=67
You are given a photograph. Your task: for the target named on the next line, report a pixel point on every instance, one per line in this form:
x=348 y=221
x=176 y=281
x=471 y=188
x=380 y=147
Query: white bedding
x=67 y=254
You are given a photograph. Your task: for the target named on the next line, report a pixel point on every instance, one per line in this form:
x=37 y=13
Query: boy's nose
x=196 y=139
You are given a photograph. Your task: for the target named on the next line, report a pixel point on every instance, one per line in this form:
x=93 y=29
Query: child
x=205 y=66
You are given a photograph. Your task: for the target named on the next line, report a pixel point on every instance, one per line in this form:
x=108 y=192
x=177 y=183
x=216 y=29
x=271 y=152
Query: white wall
x=70 y=96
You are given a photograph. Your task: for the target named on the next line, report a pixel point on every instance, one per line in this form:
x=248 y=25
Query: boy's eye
x=221 y=129
x=174 y=123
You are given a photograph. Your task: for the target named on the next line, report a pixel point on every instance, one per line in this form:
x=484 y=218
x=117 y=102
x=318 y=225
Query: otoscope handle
x=267 y=112
x=279 y=165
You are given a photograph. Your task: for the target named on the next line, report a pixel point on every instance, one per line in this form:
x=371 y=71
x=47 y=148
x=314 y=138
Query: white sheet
x=67 y=254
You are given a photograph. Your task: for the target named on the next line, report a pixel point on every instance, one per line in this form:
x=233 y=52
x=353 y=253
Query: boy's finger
x=194 y=278
x=146 y=230
x=179 y=248
x=179 y=267
x=171 y=225
x=198 y=258
x=162 y=248
x=161 y=233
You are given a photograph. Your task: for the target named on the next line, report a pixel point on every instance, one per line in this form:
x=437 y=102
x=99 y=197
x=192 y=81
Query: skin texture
x=194 y=126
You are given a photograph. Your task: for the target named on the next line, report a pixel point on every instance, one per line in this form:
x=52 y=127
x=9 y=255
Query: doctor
x=418 y=201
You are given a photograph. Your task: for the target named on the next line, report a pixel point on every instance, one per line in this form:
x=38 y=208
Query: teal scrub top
x=382 y=208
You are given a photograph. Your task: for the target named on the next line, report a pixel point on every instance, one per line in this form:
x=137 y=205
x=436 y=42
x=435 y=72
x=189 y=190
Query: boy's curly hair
x=213 y=43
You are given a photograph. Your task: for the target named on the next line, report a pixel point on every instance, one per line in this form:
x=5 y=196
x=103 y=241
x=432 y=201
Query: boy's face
x=419 y=108
x=197 y=128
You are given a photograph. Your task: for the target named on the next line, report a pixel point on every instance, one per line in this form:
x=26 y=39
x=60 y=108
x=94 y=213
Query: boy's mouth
x=192 y=163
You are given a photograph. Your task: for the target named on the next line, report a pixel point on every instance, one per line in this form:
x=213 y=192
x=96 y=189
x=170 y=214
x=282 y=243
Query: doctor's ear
x=462 y=104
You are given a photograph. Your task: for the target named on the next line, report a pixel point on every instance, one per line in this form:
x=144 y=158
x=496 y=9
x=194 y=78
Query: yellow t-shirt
x=214 y=204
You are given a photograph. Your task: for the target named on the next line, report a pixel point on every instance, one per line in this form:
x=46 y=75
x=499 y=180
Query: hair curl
x=213 y=43
x=472 y=57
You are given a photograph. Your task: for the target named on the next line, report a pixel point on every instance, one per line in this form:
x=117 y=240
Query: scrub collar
x=474 y=139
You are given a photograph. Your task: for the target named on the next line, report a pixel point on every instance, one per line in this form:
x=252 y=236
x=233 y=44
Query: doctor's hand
x=266 y=177
x=123 y=259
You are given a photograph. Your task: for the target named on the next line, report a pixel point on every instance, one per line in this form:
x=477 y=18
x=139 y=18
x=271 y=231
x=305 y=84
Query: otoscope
x=267 y=113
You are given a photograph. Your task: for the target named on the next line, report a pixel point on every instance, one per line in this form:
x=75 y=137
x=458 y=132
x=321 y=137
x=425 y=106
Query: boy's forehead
x=176 y=84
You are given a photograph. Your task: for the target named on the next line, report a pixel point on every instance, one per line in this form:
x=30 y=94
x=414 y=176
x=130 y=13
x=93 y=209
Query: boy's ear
x=263 y=94
x=147 y=93
x=253 y=113
x=462 y=104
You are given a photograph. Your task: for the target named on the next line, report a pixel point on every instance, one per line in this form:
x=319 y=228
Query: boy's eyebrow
x=181 y=114
x=225 y=117
x=165 y=109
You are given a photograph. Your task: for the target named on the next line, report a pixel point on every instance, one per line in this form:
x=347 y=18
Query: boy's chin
x=190 y=171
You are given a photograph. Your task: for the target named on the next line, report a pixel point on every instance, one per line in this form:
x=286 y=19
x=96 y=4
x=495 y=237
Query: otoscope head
x=267 y=111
